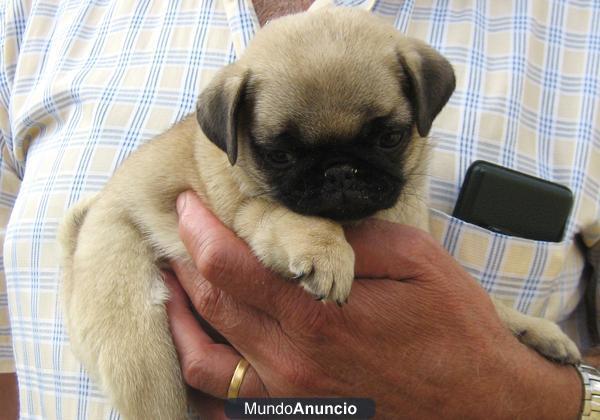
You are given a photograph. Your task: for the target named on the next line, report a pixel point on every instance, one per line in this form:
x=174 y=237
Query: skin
x=267 y=10
x=418 y=335
x=9 y=396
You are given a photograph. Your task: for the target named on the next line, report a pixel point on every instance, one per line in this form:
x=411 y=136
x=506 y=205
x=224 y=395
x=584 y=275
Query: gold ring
x=237 y=378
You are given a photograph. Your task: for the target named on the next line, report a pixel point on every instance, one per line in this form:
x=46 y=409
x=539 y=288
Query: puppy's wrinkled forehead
x=314 y=108
x=324 y=80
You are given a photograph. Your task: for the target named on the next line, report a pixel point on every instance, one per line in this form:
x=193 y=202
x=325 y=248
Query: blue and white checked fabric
x=83 y=84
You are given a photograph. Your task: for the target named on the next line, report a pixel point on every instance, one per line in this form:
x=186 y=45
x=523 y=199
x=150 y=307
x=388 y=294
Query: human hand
x=418 y=335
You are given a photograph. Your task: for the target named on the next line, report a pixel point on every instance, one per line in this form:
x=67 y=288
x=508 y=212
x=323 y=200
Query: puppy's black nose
x=340 y=174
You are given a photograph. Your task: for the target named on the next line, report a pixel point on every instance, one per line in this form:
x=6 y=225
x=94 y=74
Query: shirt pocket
x=538 y=278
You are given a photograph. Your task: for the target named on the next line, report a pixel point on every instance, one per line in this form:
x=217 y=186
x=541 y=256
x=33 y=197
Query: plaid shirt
x=83 y=84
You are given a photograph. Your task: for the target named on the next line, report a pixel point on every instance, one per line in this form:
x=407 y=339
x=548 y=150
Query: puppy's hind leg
x=114 y=302
x=540 y=334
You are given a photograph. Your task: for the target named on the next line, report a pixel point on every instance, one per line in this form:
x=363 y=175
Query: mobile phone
x=513 y=203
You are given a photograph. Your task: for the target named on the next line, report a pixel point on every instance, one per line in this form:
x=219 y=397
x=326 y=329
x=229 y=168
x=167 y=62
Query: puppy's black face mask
x=343 y=179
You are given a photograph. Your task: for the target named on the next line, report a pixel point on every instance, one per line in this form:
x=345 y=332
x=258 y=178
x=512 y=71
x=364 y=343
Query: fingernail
x=181 y=201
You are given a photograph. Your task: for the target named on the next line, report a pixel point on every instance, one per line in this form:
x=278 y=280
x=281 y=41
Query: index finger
x=227 y=262
x=205 y=364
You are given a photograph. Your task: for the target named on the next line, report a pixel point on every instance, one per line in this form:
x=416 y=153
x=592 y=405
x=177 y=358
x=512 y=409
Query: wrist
x=535 y=387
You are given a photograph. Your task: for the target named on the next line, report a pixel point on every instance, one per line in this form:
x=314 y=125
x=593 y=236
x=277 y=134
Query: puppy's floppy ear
x=431 y=79
x=218 y=108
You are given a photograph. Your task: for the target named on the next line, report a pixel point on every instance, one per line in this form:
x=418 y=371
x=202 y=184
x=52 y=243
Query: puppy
x=322 y=122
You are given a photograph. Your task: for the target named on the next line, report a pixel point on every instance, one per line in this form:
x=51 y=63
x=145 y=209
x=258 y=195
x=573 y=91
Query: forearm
x=9 y=396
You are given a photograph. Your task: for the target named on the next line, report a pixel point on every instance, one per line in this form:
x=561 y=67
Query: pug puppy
x=322 y=122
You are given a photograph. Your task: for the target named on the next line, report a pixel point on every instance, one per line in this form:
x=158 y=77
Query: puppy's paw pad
x=549 y=340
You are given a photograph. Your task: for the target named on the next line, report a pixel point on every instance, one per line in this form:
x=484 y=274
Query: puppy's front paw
x=325 y=270
x=548 y=339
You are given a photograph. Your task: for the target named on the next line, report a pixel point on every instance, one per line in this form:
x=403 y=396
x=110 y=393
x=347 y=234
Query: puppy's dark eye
x=390 y=140
x=280 y=158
